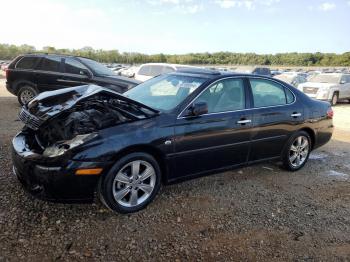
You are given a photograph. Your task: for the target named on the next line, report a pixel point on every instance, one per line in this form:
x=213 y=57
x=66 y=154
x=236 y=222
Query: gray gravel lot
x=256 y=213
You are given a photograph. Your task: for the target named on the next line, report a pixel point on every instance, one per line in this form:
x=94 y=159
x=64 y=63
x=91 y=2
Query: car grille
x=310 y=90
x=29 y=120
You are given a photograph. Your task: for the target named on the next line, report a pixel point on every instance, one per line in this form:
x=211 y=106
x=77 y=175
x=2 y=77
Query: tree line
x=8 y=52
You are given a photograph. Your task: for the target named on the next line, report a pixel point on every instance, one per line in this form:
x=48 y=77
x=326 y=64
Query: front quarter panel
x=153 y=132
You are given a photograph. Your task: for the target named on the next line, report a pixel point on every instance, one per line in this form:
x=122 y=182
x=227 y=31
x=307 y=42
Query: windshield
x=325 y=78
x=98 y=68
x=165 y=92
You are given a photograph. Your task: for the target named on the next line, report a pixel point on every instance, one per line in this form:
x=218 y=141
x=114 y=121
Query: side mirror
x=198 y=108
x=342 y=82
x=85 y=72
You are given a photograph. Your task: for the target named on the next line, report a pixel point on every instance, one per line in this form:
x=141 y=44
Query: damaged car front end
x=49 y=155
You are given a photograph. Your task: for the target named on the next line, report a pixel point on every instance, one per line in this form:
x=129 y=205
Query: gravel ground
x=256 y=213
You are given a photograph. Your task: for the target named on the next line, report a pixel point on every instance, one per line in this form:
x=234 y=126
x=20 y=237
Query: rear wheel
x=131 y=184
x=297 y=151
x=335 y=98
x=25 y=94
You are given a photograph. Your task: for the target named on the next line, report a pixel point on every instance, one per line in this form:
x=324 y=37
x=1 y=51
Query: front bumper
x=52 y=179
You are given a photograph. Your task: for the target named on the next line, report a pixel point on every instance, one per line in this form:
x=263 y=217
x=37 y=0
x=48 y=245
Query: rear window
x=51 y=63
x=151 y=70
x=27 y=62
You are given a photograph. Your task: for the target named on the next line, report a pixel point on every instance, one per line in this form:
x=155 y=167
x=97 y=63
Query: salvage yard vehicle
x=150 y=70
x=292 y=78
x=29 y=75
x=255 y=70
x=328 y=86
x=177 y=126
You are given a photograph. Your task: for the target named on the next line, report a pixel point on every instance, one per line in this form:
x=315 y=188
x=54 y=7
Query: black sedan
x=177 y=126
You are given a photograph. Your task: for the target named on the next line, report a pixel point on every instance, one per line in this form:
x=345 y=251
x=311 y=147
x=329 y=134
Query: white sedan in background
x=150 y=70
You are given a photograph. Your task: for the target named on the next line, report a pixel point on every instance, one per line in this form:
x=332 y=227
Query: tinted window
x=167 y=69
x=156 y=70
x=51 y=63
x=290 y=96
x=151 y=70
x=27 y=62
x=72 y=66
x=145 y=70
x=267 y=93
x=225 y=95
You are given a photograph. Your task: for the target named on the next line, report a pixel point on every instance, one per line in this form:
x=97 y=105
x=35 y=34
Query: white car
x=150 y=70
x=329 y=86
x=292 y=78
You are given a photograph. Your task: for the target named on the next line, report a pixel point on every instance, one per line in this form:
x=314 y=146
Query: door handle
x=295 y=114
x=245 y=121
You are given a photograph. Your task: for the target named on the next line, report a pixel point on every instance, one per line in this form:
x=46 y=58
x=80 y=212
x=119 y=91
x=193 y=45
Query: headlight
x=60 y=148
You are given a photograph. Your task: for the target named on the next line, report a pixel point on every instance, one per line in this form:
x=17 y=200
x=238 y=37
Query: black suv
x=29 y=75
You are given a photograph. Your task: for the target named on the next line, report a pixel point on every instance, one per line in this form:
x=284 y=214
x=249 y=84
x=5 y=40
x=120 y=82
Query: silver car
x=292 y=78
x=328 y=86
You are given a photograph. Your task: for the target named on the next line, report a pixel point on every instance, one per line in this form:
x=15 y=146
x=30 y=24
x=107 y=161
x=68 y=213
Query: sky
x=179 y=26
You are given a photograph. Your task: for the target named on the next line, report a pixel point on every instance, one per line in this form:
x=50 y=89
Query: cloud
x=179 y=6
x=327 y=6
x=248 y=4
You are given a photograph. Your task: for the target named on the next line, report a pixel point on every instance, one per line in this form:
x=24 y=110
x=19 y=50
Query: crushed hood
x=50 y=104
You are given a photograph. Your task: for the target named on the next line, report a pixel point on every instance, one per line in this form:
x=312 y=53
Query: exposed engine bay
x=68 y=117
x=85 y=118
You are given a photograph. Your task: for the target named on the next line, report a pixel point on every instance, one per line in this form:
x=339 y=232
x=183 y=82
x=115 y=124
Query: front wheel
x=297 y=151
x=131 y=184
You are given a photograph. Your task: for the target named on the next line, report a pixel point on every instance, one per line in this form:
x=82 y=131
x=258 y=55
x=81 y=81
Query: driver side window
x=225 y=95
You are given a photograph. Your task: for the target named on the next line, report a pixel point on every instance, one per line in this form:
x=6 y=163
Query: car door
x=217 y=139
x=275 y=116
x=344 y=87
x=48 y=72
x=75 y=73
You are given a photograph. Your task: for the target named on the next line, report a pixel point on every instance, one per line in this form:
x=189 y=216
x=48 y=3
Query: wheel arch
x=19 y=83
x=153 y=151
x=312 y=135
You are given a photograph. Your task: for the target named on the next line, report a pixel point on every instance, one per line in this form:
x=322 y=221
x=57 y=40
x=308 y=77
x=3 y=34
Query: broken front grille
x=29 y=120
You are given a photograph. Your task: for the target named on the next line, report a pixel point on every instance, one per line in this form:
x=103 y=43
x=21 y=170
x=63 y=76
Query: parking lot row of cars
x=29 y=75
x=328 y=84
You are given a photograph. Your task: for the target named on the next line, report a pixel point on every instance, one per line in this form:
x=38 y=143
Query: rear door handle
x=245 y=121
x=295 y=114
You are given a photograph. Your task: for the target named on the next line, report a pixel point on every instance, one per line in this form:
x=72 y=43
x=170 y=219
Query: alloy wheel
x=26 y=96
x=134 y=183
x=299 y=151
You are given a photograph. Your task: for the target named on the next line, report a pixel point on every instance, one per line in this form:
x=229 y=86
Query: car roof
x=54 y=54
x=207 y=73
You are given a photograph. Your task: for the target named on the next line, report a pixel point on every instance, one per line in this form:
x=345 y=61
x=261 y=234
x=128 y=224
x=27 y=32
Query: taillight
x=330 y=113
x=7 y=73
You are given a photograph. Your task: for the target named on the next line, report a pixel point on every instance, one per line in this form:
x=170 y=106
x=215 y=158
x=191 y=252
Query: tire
x=296 y=149
x=25 y=94
x=121 y=191
x=334 y=99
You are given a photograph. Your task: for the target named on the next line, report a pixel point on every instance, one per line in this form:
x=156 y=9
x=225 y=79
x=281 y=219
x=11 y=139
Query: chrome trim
x=295 y=114
x=246 y=121
x=245 y=109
